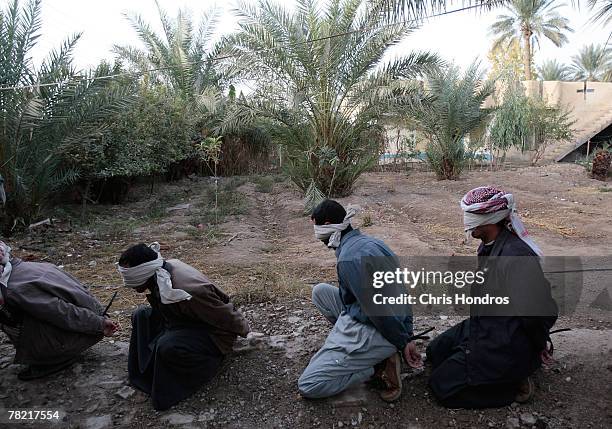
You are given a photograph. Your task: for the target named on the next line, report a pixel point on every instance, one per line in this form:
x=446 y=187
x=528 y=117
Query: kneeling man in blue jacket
x=363 y=343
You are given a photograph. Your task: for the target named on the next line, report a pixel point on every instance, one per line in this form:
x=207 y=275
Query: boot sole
x=398 y=372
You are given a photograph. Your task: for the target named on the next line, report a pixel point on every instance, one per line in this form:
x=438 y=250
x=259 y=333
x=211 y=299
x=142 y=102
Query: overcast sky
x=460 y=37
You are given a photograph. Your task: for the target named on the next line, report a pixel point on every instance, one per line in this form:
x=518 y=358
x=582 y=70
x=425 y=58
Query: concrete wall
x=396 y=136
x=592 y=113
x=566 y=94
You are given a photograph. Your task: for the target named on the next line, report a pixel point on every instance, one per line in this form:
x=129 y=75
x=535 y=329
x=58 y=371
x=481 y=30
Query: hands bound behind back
x=412 y=355
x=109 y=327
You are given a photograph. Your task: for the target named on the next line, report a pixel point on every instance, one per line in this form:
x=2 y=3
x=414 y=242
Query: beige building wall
x=396 y=137
x=592 y=112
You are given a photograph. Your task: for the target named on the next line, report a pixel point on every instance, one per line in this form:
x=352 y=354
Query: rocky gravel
x=267 y=259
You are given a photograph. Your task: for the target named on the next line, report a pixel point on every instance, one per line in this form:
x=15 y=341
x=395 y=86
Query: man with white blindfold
x=366 y=341
x=180 y=340
x=486 y=360
x=48 y=315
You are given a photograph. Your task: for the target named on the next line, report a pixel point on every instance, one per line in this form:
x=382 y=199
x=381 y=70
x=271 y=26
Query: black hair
x=504 y=223
x=328 y=211
x=136 y=255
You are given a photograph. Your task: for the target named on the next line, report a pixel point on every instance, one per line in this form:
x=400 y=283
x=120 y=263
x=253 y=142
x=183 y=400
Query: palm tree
x=530 y=20
x=184 y=57
x=451 y=109
x=323 y=96
x=553 y=70
x=181 y=55
x=42 y=112
x=593 y=62
x=506 y=61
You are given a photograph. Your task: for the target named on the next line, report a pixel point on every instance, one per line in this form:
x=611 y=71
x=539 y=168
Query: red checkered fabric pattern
x=485 y=199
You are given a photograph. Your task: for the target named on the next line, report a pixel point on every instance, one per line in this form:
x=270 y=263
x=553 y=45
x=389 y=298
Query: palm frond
x=553 y=70
x=319 y=94
x=592 y=62
x=451 y=110
x=602 y=11
x=312 y=197
x=39 y=122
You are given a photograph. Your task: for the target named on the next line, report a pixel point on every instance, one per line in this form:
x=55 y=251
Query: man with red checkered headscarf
x=486 y=360
x=485 y=208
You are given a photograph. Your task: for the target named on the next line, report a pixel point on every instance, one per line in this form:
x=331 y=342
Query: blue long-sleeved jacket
x=354 y=246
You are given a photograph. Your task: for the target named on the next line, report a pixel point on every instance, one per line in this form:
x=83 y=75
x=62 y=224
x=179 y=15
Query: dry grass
x=113 y=228
x=551 y=224
x=590 y=190
x=450 y=232
x=263 y=184
x=264 y=283
x=367 y=221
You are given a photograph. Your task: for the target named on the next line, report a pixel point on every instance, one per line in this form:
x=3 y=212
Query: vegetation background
x=323 y=91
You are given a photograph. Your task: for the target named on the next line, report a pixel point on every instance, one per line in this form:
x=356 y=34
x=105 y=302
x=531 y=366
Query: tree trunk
x=84 y=197
x=527 y=53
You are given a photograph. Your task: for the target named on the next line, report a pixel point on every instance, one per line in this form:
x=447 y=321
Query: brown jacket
x=59 y=317
x=208 y=305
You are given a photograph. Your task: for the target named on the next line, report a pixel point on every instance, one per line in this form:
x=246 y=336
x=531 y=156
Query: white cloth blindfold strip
x=333 y=231
x=472 y=220
x=5 y=266
x=137 y=276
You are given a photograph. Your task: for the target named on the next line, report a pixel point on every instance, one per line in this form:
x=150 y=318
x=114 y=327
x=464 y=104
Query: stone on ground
x=99 y=422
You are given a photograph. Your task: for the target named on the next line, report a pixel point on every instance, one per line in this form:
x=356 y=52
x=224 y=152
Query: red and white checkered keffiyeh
x=485 y=199
x=488 y=205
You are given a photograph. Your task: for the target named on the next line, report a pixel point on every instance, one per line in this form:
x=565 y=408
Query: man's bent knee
x=139 y=313
x=318 y=291
x=311 y=388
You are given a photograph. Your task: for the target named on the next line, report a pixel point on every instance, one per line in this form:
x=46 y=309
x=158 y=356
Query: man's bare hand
x=412 y=355
x=109 y=327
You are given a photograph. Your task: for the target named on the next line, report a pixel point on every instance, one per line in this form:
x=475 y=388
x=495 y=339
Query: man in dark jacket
x=364 y=340
x=178 y=343
x=486 y=361
x=49 y=316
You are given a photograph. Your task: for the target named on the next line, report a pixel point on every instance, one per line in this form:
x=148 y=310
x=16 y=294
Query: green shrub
x=263 y=184
x=147 y=139
x=527 y=123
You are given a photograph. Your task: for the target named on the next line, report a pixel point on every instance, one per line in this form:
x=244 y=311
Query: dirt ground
x=265 y=255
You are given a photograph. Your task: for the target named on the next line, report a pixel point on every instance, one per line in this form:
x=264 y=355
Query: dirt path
x=266 y=257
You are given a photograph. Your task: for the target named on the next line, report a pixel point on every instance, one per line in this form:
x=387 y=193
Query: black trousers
x=449 y=378
x=171 y=363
